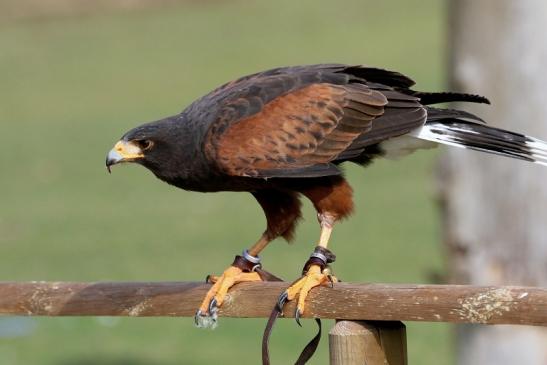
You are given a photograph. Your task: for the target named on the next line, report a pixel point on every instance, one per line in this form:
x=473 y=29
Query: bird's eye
x=144 y=144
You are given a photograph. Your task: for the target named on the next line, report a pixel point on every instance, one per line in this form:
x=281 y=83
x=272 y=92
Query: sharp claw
x=207 y=278
x=196 y=317
x=205 y=320
x=213 y=307
x=281 y=301
x=213 y=313
x=209 y=319
x=297 y=315
x=331 y=280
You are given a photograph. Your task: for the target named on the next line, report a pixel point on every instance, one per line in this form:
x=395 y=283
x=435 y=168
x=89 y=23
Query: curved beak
x=123 y=151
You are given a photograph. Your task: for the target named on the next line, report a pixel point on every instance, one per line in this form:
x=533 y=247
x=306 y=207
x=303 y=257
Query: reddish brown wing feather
x=304 y=129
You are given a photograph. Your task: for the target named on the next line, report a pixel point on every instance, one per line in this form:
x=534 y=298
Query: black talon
x=196 y=316
x=207 y=278
x=297 y=315
x=212 y=306
x=281 y=301
x=331 y=280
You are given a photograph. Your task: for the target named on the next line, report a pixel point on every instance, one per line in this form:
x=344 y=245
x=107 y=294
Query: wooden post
x=368 y=343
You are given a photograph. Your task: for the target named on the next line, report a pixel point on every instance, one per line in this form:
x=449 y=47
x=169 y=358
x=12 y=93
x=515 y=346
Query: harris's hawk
x=283 y=133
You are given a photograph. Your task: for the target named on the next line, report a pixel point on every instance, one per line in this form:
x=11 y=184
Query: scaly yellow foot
x=207 y=314
x=312 y=278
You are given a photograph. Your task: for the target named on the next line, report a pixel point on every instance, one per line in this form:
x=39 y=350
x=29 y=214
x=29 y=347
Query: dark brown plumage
x=283 y=133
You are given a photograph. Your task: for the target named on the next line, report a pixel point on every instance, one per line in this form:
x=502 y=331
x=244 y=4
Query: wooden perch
x=393 y=302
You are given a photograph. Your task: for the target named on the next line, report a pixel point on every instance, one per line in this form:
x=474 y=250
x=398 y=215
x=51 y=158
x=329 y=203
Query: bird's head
x=132 y=150
x=154 y=145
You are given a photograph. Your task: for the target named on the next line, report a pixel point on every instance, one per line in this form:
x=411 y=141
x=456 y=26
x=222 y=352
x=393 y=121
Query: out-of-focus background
x=75 y=75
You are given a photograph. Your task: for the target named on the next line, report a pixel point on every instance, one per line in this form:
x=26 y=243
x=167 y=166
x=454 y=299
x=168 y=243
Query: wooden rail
x=368 y=328
x=389 y=302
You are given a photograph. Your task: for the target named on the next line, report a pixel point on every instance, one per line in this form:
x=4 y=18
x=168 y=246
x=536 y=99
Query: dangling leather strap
x=321 y=257
x=305 y=355
x=311 y=347
x=266 y=336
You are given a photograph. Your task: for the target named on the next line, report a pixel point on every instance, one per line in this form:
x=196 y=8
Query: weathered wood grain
x=368 y=342
x=392 y=302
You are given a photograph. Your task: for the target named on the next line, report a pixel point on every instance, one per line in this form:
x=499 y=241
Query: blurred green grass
x=70 y=86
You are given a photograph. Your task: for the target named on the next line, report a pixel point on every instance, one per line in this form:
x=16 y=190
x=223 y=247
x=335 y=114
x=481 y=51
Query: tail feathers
x=464 y=134
x=434 y=114
x=427 y=98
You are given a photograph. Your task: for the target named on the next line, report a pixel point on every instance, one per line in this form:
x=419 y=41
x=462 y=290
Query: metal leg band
x=321 y=257
x=246 y=262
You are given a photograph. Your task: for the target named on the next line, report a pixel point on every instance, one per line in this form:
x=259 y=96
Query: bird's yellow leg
x=242 y=270
x=324 y=237
x=229 y=278
x=316 y=272
x=253 y=251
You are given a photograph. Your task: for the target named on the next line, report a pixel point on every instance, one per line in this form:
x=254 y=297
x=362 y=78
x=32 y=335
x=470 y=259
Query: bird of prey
x=283 y=133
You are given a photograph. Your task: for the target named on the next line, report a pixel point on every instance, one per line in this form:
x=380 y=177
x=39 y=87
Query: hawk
x=283 y=133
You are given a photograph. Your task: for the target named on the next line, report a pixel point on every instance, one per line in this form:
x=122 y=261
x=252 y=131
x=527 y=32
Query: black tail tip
x=428 y=98
x=482 y=99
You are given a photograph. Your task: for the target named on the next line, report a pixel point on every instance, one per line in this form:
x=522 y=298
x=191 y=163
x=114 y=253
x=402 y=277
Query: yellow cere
x=128 y=150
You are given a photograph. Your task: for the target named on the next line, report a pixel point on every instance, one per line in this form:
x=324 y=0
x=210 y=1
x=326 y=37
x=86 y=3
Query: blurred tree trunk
x=495 y=209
